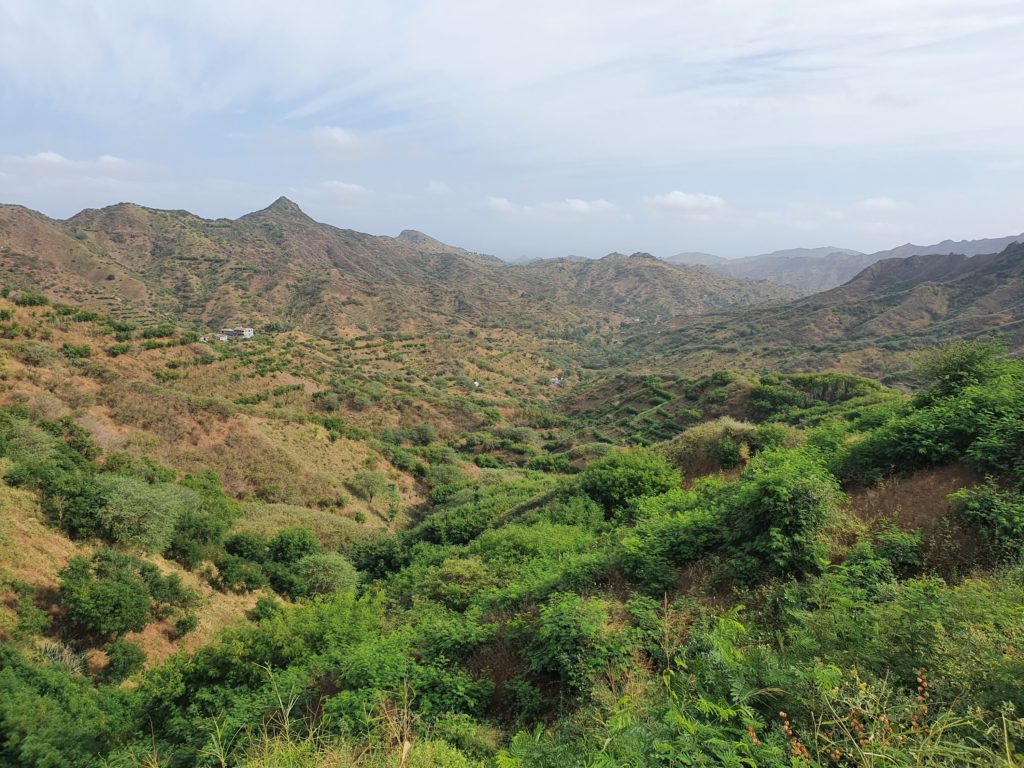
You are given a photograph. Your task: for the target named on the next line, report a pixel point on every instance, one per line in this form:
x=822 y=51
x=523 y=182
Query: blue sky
x=530 y=128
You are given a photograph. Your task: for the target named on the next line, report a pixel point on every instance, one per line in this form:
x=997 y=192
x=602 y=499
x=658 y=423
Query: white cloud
x=344 y=186
x=571 y=207
x=812 y=74
x=504 y=205
x=879 y=204
x=576 y=206
x=334 y=139
x=583 y=95
x=696 y=205
x=54 y=163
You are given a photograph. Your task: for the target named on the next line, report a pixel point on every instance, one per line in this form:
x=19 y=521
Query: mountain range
x=810 y=270
x=279 y=264
x=895 y=304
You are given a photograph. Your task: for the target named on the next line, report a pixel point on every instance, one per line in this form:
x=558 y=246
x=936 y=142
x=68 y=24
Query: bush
x=901 y=548
x=142 y=514
x=29 y=299
x=623 y=475
x=292 y=544
x=248 y=546
x=571 y=640
x=997 y=513
x=265 y=608
x=326 y=572
x=102 y=607
x=116 y=350
x=238 y=574
x=726 y=443
x=773 y=512
x=369 y=485
x=124 y=659
x=185 y=624
x=76 y=351
x=952 y=368
x=675 y=530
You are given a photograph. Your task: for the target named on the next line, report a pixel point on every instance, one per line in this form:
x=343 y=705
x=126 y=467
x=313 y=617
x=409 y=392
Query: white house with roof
x=236 y=333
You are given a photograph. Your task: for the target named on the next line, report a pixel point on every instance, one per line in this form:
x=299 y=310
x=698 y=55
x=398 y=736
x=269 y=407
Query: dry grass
x=30 y=550
x=216 y=611
x=917 y=502
x=334 y=528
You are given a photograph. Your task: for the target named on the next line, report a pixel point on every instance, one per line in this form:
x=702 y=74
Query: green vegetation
x=491 y=581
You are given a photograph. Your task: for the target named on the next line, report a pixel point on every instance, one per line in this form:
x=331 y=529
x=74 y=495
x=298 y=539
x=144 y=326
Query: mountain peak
x=415 y=237
x=282 y=207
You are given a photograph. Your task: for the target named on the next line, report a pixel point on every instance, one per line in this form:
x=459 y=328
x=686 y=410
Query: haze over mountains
x=817 y=269
x=892 y=306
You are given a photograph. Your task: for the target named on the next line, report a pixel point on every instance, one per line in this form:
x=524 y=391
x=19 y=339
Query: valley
x=444 y=511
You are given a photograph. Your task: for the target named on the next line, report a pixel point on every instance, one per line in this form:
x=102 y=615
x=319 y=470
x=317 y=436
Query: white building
x=237 y=333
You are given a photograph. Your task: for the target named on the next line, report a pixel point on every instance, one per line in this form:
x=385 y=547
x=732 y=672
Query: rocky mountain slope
x=278 y=264
x=895 y=305
x=810 y=270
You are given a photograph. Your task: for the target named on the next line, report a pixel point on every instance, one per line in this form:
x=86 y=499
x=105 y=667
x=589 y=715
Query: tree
x=322 y=573
x=949 y=369
x=369 y=485
x=773 y=513
x=621 y=476
x=102 y=607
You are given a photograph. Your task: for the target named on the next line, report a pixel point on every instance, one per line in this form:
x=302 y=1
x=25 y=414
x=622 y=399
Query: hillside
x=278 y=264
x=639 y=285
x=896 y=305
x=449 y=539
x=793 y=569
x=811 y=270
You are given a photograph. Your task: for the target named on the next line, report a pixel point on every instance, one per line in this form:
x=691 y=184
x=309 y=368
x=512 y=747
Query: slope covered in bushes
x=711 y=600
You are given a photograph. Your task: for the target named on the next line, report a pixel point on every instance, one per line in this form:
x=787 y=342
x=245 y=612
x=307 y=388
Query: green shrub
x=998 y=514
x=292 y=544
x=29 y=299
x=116 y=350
x=623 y=475
x=949 y=369
x=124 y=659
x=185 y=624
x=238 y=574
x=901 y=548
x=322 y=573
x=370 y=485
x=772 y=515
x=265 y=608
x=675 y=530
x=571 y=640
x=142 y=514
x=76 y=351
x=248 y=546
x=103 y=607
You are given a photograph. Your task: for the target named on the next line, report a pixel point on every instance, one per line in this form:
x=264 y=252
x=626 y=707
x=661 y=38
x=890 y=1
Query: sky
x=534 y=128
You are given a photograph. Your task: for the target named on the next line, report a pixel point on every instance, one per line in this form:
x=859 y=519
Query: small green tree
x=124 y=658
x=621 y=476
x=773 y=513
x=102 y=607
x=369 y=485
x=322 y=573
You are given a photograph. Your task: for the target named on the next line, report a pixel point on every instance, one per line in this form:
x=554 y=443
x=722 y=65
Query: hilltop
x=278 y=264
x=896 y=305
x=811 y=270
